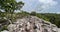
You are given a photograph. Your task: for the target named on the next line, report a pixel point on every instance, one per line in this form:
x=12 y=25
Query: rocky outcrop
x=32 y=24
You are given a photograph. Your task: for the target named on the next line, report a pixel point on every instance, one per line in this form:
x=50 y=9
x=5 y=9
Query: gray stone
x=5 y=31
x=32 y=24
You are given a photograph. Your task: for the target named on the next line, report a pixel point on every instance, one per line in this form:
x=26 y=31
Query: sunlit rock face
x=5 y=31
x=32 y=24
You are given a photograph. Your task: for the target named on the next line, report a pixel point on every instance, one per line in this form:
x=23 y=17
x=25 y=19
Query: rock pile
x=32 y=24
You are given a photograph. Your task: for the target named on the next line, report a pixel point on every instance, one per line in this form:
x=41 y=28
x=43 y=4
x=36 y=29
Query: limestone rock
x=32 y=24
x=5 y=31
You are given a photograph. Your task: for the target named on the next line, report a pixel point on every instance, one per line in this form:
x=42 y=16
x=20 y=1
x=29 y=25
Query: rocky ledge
x=31 y=24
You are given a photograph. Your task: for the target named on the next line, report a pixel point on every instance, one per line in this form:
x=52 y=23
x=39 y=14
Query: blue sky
x=41 y=6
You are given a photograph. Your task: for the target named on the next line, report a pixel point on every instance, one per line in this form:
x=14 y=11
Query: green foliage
x=4 y=28
x=52 y=19
x=10 y=5
x=33 y=13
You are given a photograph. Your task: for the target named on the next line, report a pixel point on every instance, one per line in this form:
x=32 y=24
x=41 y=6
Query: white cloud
x=47 y=3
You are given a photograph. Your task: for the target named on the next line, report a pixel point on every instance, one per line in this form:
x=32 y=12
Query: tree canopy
x=10 y=5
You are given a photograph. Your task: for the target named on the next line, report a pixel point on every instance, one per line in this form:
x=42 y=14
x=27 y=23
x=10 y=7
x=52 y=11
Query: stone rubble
x=32 y=24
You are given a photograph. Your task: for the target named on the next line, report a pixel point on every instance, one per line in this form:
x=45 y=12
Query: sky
x=41 y=6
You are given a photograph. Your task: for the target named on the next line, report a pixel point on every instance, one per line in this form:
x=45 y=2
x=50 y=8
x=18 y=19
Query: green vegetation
x=9 y=6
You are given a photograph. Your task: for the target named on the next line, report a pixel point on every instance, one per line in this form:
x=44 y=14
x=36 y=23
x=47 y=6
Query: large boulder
x=32 y=24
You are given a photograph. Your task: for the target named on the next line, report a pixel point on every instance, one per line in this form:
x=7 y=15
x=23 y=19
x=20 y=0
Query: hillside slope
x=32 y=24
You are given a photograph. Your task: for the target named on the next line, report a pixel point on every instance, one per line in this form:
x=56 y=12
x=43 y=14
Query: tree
x=33 y=13
x=9 y=6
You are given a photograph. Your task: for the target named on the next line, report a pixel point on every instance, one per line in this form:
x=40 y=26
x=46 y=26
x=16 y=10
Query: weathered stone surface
x=5 y=31
x=32 y=24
